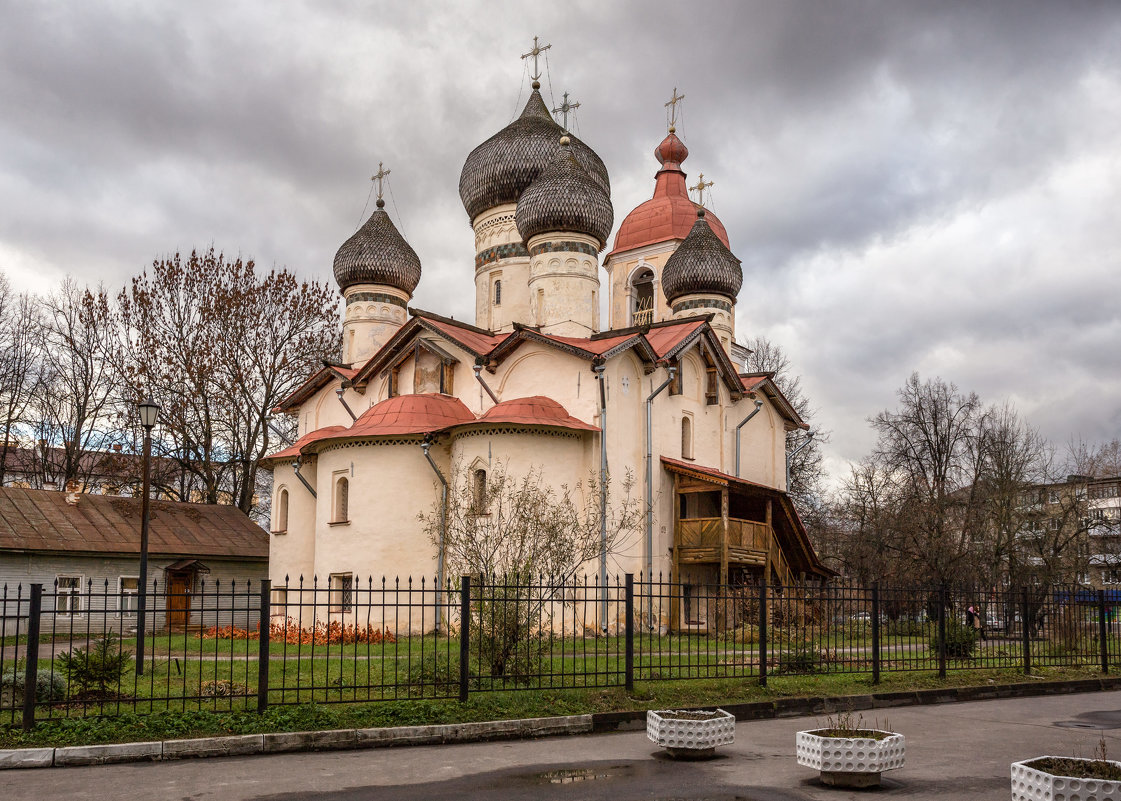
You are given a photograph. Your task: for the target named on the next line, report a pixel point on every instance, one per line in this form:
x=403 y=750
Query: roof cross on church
x=564 y=108
x=700 y=188
x=672 y=106
x=380 y=176
x=535 y=52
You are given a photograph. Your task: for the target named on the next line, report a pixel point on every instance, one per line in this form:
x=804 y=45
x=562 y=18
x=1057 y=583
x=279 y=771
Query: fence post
x=31 y=668
x=763 y=632
x=1025 y=632
x=1103 y=632
x=942 y=595
x=875 y=632
x=464 y=633
x=264 y=629
x=629 y=612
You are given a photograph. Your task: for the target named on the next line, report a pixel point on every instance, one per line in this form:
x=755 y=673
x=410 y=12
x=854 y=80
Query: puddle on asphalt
x=1104 y=719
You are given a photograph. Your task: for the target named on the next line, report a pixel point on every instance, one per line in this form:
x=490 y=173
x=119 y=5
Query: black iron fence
x=67 y=650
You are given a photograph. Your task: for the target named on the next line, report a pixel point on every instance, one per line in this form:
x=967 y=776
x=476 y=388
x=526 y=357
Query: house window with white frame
x=342 y=592
x=68 y=595
x=128 y=595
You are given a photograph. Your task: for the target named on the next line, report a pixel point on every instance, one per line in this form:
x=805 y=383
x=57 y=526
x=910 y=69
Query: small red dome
x=671 y=151
x=670 y=214
x=410 y=414
x=534 y=411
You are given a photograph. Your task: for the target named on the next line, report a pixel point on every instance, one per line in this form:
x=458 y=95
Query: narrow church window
x=686 y=438
x=479 y=492
x=342 y=592
x=280 y=519
x=642 y=298
x=497 y=293
x=342 y=501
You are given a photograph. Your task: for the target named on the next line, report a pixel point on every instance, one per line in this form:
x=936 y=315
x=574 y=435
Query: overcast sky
x=920 y=185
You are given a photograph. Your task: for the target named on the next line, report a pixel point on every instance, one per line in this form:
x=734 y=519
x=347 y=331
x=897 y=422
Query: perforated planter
x=1032 y=784
x=690 y=735
x=850 y=761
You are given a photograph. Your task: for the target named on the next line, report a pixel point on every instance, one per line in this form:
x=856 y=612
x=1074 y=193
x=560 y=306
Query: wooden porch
x=730 y=542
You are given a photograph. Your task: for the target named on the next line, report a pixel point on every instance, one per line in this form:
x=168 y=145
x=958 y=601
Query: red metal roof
x=534 y=411
x=316 y=382
x=597 y=346
x=472 y=340
x=294 y=450
x=42 y=520
x=663 y=339
x=670 y=214
x=410 y=414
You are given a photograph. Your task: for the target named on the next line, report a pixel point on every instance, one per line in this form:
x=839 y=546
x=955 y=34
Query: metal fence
x=347 y=640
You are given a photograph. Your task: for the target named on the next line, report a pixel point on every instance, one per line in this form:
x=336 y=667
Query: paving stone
x=281 y=742
x=213 y=746
x=108 y=754
x=26 y=758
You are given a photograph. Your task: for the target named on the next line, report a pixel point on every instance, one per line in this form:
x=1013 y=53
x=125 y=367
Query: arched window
x=342 y=500
x=686 y=437
x=498 y=293
x=642 y=297
x=479 y=492
x=280 y=515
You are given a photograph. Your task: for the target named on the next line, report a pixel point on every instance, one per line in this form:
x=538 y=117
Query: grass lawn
x=179 y=723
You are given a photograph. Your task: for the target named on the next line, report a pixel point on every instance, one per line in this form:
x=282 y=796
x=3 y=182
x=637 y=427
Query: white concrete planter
x=850 y=761
x=689 y=735
x=1032 y=784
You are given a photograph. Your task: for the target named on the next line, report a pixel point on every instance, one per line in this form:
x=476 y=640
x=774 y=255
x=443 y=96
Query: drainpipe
x=342 y=400
x=650 y=477
x=793 y=453
x=296 y=468
x=743 y=422
x=598 y=369
x=425 y=445
x=479 y=377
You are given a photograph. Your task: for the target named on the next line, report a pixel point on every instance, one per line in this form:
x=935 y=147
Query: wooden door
x=178 y=599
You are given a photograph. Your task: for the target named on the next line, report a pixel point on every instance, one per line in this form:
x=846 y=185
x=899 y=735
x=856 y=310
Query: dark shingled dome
x=377 y=254
x=501 y=168
x=701 y=265
x=565 y=198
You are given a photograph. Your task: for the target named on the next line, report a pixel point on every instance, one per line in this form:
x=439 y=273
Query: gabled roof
x=42 y=520
x=788 y=526
x=318 y=380
x=764 y=383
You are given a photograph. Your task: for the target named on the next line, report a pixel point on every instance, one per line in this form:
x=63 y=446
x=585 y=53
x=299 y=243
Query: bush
x=803 y=659
x=903 y=628
x=99 y=672
x=50 y=687
x=434 y=676
x=960 y=640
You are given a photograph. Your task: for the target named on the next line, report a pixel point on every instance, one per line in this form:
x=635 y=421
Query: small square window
x=128 y=595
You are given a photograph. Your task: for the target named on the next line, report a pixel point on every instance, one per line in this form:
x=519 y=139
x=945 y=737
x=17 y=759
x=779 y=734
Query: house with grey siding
x=205 y=562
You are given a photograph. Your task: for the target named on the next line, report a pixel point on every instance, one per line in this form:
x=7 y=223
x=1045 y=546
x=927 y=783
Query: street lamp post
x=149 y=411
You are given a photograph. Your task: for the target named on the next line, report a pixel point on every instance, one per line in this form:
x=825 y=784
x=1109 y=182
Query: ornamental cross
x=566 y=107
x=379 y=176
x=672 y=106
x=701 y=186
x=535 y=52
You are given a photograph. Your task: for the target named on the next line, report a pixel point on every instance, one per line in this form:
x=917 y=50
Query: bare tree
x=21 y=339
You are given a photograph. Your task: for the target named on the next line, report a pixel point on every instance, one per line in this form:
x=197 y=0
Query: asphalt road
x=954 y=751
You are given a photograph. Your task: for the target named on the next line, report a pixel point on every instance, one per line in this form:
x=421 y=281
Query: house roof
x=534 y=411
x=297 y=447
x=409 y=414
x=788 y=526
x=42 y=520
x=765 y=383
x=318 y=380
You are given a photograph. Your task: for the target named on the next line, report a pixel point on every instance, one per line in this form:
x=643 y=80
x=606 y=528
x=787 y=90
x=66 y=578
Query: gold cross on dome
x=672 y=106
x=379 y=176
x=700 y=188
x=564 y=108
x=535 y=52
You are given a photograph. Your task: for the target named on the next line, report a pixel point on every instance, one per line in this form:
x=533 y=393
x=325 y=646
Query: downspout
x=342 y=400
x=479 y=377
x=425 y=445
x=650 y=475
x=743 y=422
x=793 y=453
x=296 y=469
x=598 y=369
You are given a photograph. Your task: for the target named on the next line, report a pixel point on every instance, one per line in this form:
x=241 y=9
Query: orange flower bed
x=333 y=633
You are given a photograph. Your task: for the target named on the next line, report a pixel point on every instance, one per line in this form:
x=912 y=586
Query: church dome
x=501 y=168
x=670 y=214
x=537 y=410
x=377 y=254
x=565 y=198
x=411 y=414
x=702 y=265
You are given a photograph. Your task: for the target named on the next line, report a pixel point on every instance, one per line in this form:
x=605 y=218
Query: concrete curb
x=287 y=742
x=349 y=739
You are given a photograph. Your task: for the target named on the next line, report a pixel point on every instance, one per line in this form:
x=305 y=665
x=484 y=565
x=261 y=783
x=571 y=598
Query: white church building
x=522 y=385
